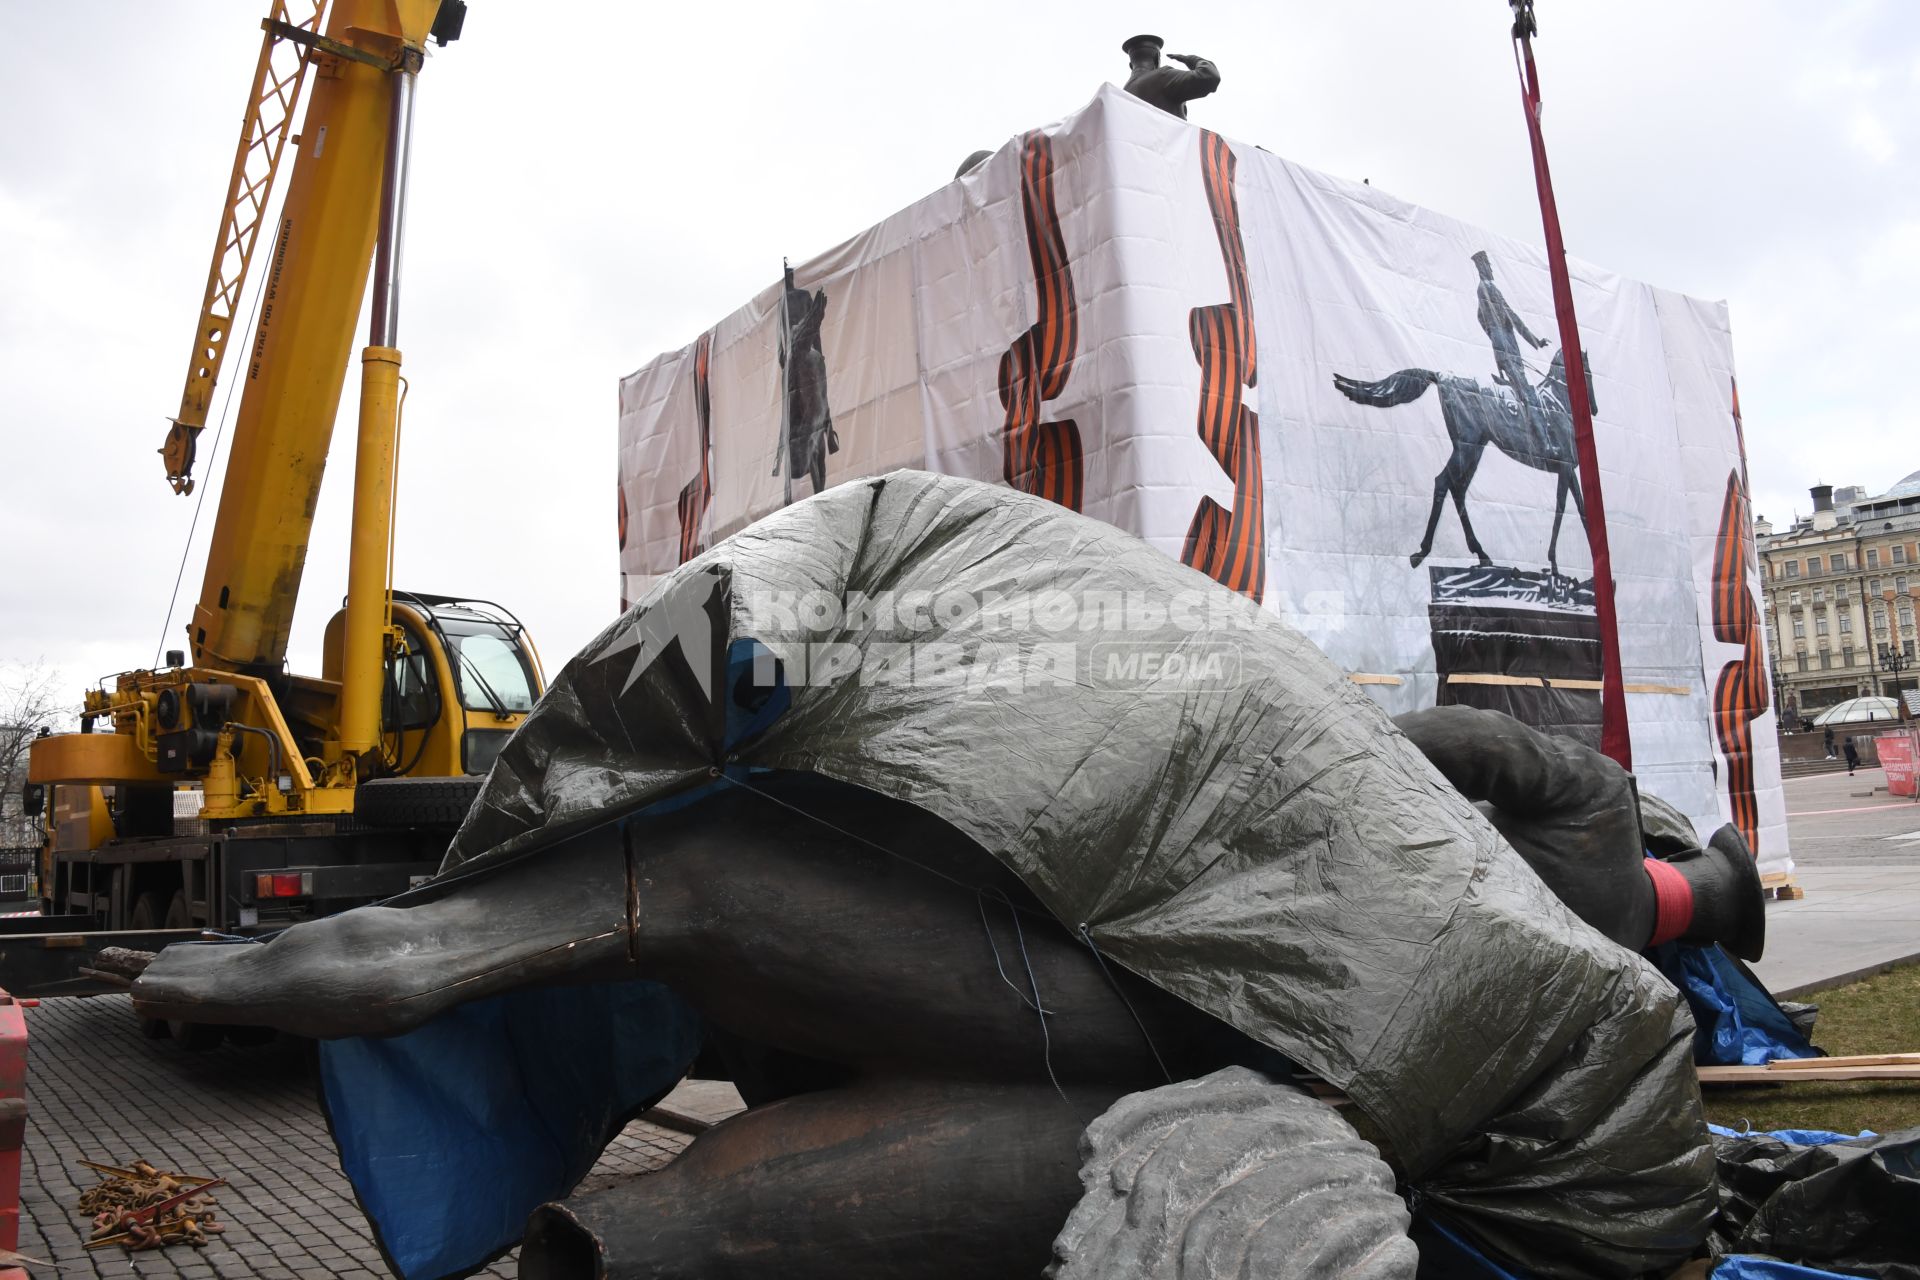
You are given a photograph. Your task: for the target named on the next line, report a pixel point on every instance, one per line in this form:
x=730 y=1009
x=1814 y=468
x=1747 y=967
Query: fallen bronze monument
x=994 y=928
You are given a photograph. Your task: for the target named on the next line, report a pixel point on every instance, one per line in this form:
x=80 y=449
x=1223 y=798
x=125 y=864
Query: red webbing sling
x=1614 y=739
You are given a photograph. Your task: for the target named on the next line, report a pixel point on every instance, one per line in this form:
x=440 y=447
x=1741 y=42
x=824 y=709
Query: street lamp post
x=1894 y=660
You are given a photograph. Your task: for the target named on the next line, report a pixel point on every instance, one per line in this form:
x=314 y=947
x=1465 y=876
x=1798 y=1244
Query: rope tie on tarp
x=1114 y=982
x=1046 y=1038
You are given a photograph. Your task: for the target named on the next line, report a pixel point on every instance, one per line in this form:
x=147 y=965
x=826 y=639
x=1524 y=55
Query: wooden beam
x=1817 y=1069
x=1850 y=1060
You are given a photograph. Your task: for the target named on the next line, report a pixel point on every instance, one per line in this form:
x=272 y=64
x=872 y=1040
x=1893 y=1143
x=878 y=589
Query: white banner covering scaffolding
x=1337 y=403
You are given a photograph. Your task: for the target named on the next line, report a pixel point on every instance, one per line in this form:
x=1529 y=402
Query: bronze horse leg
x=789 y=931
x=1569 y=484
x=1559 y=512
x=1440 y=487
x=1460 y=505
x=1454 y=479
x=1470 y=439
x=936 y=1179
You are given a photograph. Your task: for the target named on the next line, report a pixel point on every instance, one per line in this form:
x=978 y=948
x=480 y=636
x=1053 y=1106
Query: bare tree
x=30 y=700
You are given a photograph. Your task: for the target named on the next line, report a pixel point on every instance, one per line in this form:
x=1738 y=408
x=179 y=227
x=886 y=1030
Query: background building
x=1840 y=588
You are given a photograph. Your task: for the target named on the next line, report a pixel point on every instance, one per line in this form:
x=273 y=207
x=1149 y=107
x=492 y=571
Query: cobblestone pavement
x=98 y=1091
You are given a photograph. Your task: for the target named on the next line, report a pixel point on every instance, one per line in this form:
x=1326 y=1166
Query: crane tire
x=415 y=802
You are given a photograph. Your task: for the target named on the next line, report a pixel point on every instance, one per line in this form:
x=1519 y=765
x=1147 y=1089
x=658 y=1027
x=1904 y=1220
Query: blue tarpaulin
x=1749 y=1267
x=451 y=1132
x=1798 y=1137
x=1736 y=1023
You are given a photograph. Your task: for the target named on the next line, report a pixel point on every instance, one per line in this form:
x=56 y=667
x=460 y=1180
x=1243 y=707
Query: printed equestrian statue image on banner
x=1530 y=423
x=806 y=420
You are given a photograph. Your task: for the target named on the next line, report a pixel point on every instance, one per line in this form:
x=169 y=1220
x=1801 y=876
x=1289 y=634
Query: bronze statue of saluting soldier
x=1168 y=88
x=1151 y=81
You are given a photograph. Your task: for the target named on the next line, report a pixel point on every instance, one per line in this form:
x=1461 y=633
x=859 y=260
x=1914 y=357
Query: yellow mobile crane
x=312 y=793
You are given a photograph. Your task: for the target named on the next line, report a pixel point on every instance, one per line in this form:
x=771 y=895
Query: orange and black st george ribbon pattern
x=1740 y=694
x=697 y=493
x=1042 y=458
x=1228 y=546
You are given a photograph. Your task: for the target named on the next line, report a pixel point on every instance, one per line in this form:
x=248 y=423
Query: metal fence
x=18 y=867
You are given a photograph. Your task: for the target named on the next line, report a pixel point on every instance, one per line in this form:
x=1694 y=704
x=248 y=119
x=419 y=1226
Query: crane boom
x=295 y=369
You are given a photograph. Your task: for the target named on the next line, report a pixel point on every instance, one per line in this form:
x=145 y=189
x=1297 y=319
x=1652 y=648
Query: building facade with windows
x=1840 y=587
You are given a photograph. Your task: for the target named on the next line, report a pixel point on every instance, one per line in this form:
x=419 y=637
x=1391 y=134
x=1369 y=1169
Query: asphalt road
x=1835 y=819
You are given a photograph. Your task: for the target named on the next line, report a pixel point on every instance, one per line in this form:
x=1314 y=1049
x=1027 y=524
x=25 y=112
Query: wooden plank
x=1847 y=1060
x=1535 y=682
x=678 y=1121
x=1369 y=677
x=1766 y=1075
x=1780 y=886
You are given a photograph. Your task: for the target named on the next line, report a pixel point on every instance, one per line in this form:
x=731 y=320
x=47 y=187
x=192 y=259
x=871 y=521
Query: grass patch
x=1878 y=1015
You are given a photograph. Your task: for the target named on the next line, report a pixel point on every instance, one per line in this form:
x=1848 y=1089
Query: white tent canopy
x=1859 y=709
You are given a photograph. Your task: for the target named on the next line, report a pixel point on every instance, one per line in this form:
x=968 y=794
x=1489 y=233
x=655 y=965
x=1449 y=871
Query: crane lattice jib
x=277 y=81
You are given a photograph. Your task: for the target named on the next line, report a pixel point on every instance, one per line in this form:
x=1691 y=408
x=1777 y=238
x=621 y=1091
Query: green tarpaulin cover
x=1190 y=779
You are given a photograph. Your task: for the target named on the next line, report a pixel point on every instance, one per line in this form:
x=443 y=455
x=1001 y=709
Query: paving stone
x=98 y=1090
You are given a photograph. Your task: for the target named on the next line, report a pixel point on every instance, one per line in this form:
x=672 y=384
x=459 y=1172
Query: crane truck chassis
x=135 y=865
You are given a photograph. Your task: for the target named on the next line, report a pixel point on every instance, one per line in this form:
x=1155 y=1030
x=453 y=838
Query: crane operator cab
x=460 y=677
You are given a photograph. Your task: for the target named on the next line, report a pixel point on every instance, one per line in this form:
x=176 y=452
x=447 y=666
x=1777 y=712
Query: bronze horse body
x=1476 y=416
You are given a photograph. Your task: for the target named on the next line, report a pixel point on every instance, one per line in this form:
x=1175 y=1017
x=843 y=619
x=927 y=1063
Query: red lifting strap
x=1614 y=739
x=1672 y=902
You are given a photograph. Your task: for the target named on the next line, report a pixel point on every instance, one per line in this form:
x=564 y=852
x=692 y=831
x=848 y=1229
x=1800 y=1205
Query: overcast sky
x=596 y=184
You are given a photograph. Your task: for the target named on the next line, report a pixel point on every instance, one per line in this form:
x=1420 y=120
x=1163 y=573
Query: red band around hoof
x=1672 y=902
